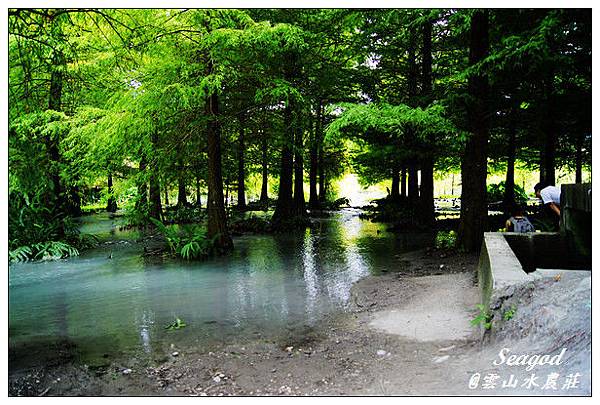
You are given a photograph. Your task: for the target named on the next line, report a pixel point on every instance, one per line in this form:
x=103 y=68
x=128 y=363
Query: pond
x=113 y=301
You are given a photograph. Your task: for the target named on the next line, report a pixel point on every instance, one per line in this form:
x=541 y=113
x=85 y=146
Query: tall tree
x=473 y=211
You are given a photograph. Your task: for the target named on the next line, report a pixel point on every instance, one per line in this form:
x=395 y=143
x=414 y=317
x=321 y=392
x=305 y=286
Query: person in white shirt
x=550 y=196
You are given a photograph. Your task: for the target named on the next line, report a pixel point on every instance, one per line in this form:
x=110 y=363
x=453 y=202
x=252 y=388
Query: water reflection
x=269 y=285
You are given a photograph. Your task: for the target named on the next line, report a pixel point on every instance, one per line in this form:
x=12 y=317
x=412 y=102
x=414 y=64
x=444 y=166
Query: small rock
x=217 y=379
x=127 y=371
x=441 y=266
x=381 y=352
x=289 y=348
x=175 y=354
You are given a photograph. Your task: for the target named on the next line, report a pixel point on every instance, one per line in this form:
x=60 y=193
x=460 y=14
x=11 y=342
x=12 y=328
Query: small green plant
x=509 y=313
x=483 y=318
x=445 y=240
x=177 y=324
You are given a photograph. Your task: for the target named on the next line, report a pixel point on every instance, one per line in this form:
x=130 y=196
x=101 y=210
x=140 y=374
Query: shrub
x=445 y=240
x=252 y=224
x=495 y=193
x=36 y=233
x=183 y=215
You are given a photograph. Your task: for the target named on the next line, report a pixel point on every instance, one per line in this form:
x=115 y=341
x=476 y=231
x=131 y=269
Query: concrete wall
x=576 y=220
x=507 y=258
x=546 y=250
x=499 y=267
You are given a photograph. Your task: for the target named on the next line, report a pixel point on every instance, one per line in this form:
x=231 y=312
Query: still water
x=270 y=286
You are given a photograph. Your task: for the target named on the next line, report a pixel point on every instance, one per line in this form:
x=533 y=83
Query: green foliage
x=34 y=231
x=20 y=254
x=391 y=133
x=134 y=85
x=183 y=215
x=186 y=241
x=445 y=239
x=483 y=318
x=53 y=250
x=495 y=193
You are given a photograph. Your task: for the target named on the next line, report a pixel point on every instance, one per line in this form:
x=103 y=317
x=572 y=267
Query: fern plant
x=20 y=254
x=54 y=250
x=188 y=241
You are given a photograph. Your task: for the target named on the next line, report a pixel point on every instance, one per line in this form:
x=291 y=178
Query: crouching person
x=518 y=222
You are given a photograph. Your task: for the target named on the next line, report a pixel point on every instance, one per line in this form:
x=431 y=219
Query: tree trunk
x=413 y=183
x=549 y=132
x=427 y=204
x=427 y=164
x=217 y=219
x=579 y=159
x=426 y=63
x=154 y=196
x=56 y=201
x=313 y=202
x=403 y=182
x=241 y=189
x=141 y=204
x=412 y=69
x=264 y=189
x=226 y=202
x=299 y=202
x=75 y=201
x=181 y=190
x=473 y=211
x=198 y=193
x=166 y=193
x=509 y=183
x=284 y=206
x=322 y=174
x=155 y=206
x=395 y=193
x=111 y=206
